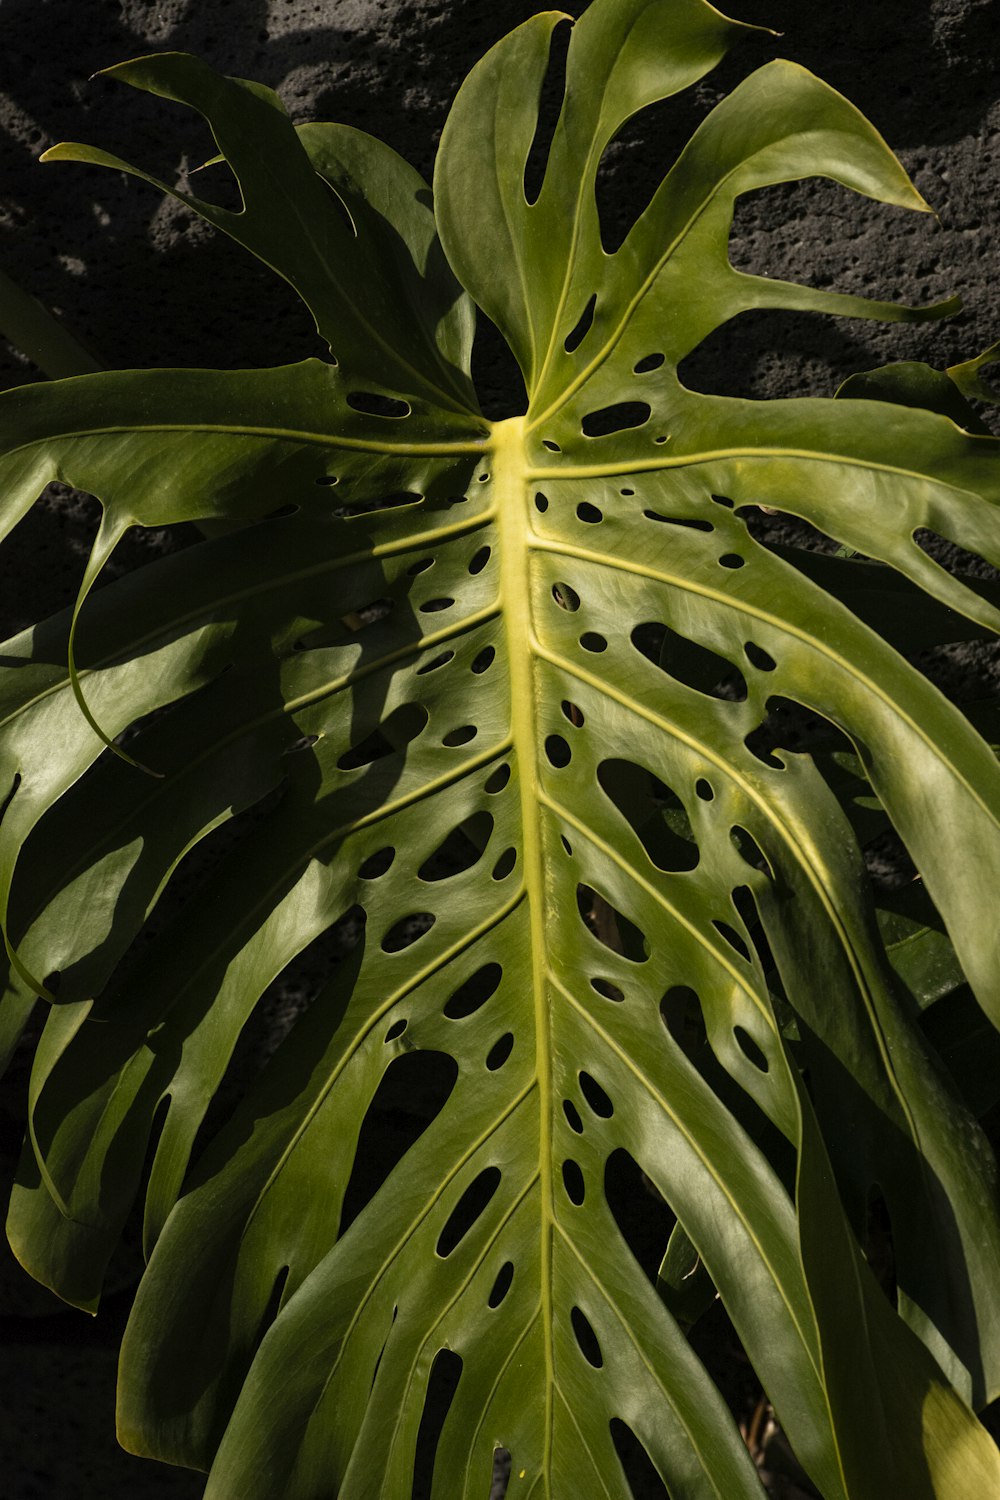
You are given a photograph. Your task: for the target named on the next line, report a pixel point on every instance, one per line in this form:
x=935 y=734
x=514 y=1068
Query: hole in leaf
x=442 y=1384
x=328 y=479
x=723 y=500
x=689 y=662
x=572 y=1116
x=566 y=843
x=759 y=658
x=620 y=417
x=748 y=849
x=500 y=1051
x=643 y=1218
x=557 y=750
x=541 y=502
x=483 y=660
x=653 y=811
x=586 y=1338
x=681 y=1013
x=505 y=864
x=552 y=446
x=647 y=363
x=438 y=661
x=610 y=926
x=479 y=560
x=565 y=597
x=595 y=1096
x=497 y=780
x=731 y=560
x=687 y=521
x=374 y=405
x=502 y=1285
x=396 y=1029
x=750 y=1049
x=391 y=1125
x=460 y=850
x=393 y=734
x=573 y=1181
x=434 y=606
x=607 y=989
x=550 y=101
x=592 y=641
x=467 y=1210
x=579 y=332
x=704 y=789
x=420 y=566
x=474 y=992
x=641 y=1474
x=732 y=937
x=572 y=713
x=589 y=513
x=460 y=736
x=376 y=864
x=407 y=930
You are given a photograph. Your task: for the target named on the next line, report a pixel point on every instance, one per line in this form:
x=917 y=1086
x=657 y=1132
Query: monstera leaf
x=478 y=718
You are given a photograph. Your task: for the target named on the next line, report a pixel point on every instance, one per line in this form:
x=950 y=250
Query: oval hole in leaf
x=759 y=658
x=460 y=736
x=566 y=843
x=505 y=864
x=376 y=864
x=688 y=662
x=641 y=1473
x=750 y=1049
x=483 y=660
x=565 y=597
x=588 y=513
x=434 y=606
x=592 y=641
x=467 y=1210
x=610 y=926
x=474 y=992
x=497 y=780
x=622 y=416
x=573 y=1181
x=572 y=713
x=704 y=790
x=328 y=479
x=582 y=327
x=460 y=850
x=595 y=1096
x=748 y=849
x=586 y=1338
x=572 y=1116
x=372 y=404
x=442 y=1384
x=420 y=566
x=427 y=1077
x=502 y=1284
x=731 y=560
x=438 y=661
x=654 y=812
x=647 y=363
x=500 y=1051
x=393 y=734
x=479 y=560
x=607 y=989
x=557 y=751
x=396 y=1029
x=541 y=502
x=552 y=446
x=405 y=932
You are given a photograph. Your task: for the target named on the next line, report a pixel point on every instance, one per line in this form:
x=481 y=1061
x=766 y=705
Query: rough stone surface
x=144 y=283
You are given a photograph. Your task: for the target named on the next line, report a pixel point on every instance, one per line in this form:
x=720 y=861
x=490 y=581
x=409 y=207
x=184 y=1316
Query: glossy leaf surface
x=487 y=710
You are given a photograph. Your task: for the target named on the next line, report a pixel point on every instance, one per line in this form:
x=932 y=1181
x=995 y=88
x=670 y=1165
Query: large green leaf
x=490 y=702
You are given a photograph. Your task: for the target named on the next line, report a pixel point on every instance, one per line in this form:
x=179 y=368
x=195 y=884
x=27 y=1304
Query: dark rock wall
x=144 y=283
